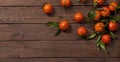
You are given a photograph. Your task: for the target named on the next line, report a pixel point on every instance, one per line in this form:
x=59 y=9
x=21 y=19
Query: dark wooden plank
x=63 y=60
x=68 y=49
x=52 y=49
x=41 y=2
x=36 y=15
x=39 y=32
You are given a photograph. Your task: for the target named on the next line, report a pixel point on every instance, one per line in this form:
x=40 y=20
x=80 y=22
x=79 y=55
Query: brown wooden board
x=36 y=14
x=56 y=49
x=63 y=60
x=41 y=2
x=24 y=37
x=41 y=32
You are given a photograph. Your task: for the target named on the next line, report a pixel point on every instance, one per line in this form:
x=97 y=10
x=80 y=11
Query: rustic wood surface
x=25 y=38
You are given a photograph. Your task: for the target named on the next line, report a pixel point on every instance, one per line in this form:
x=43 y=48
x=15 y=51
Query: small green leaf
x=102 y=46
x=92 y=36
x=100 y=9
x=106 y=25
x=98 y=46
x=58 y=32
x=82 y=1
x=112 y=35
x=117 y=18
x=78 y=0
x=95 y=4
x=52 y=24
x=91 y=14
x=113 y=20
x=118 y=7
x=99 y=38
x=104 y=20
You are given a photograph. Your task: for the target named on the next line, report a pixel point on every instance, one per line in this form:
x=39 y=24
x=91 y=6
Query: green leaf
x=100 y=9
x=104 y=20
x=82 y=1
x=98 y=47
x=99 y=38
x=58 y=32
x=78 y=0
x=52 y=24
x=113 y=20
x=91 y=14
x=112 y=35
x=102 y=46
x=117 y=18
x=118 y=7
x=95 y=4
x=92 y=36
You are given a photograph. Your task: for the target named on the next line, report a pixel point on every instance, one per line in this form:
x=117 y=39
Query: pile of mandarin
x=104 y=19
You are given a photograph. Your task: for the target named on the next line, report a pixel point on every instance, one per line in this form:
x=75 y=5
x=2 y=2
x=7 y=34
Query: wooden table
x=25 y=38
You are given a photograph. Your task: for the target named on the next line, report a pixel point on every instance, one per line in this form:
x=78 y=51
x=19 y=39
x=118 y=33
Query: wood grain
x=56 y=49
x=36 y=14
x=40 y=32
x=41 y=2
x=63 y=60
x=24 y=37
